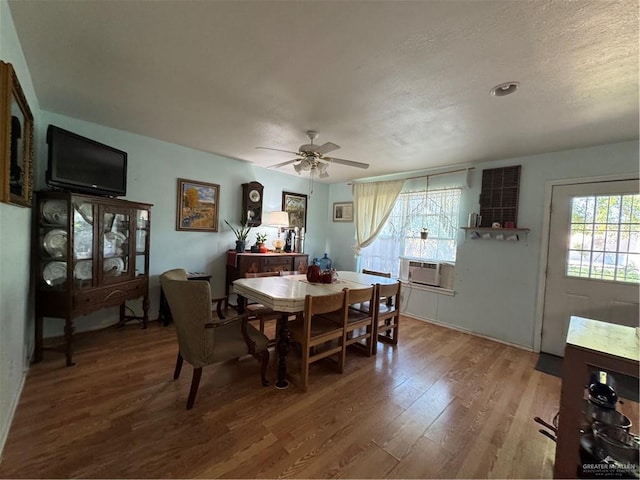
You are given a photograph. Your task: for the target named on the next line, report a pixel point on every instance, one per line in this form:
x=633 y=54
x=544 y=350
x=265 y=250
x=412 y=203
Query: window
x=605 y=238
x=436 y=210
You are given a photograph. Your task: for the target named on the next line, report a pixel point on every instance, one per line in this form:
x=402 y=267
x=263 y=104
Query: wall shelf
x=500 y=234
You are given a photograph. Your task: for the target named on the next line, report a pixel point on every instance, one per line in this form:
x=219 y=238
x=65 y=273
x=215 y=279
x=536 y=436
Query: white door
x=593 y=263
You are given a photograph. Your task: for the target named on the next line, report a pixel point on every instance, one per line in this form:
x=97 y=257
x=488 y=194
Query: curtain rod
x=423 y=176
x=440 y=173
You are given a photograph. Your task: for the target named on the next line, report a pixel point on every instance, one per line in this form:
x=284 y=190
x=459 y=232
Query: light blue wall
x=342 y=236
x=153 y=169
x=496 y=282
x=16 y=307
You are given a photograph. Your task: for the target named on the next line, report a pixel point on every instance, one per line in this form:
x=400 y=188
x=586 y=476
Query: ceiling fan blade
x=350 y=163
x=278 y=150
x=326 y=148
x=289 y=162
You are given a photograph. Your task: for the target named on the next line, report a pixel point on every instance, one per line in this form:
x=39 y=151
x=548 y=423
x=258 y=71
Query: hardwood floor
x=441 y=404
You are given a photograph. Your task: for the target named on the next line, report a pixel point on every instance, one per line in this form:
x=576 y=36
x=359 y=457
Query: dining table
x=286 y=295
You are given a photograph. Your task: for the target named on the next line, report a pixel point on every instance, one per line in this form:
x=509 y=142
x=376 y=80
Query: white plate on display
x=86 y=212
x=113 y=266
x=55 y=242
x=83 y=270
x=112 y=242
x=54 y=273
x=55 y=211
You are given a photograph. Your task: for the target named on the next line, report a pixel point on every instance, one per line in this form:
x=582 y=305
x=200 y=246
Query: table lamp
x=279 y=220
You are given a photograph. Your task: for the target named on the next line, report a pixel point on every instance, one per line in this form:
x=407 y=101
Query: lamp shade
x=277 y=219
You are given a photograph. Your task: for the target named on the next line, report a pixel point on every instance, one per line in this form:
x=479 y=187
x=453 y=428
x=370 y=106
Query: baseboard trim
x=470 y=332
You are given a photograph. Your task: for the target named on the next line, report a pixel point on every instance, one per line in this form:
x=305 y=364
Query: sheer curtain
x=372 y=204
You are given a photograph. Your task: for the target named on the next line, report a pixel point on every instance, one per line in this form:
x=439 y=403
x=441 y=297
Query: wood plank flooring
x=442 y=404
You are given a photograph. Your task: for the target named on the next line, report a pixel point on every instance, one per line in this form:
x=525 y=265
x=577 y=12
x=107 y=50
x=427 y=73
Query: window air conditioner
x=416 y=271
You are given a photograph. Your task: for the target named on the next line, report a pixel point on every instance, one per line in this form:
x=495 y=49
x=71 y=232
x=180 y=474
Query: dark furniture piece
x=88 y=253
x=499 y=196
x=239 y=264
x=591 y=345
x=164 y=313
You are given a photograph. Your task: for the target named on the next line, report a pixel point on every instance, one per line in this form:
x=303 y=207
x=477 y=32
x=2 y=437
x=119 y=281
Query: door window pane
x=605 y=238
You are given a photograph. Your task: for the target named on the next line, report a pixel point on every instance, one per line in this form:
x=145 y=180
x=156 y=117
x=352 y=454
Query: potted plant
x=260 y=239
x=424 y=233
x=241 y=233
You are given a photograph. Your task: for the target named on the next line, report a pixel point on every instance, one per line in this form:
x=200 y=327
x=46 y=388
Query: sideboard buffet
x=88 y=253
x=239 y=264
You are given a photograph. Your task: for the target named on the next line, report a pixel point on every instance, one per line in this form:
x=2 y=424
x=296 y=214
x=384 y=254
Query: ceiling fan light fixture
x=505 y=89
x=298 y=168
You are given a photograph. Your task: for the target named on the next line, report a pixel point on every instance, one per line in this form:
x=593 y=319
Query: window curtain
x=372 y=204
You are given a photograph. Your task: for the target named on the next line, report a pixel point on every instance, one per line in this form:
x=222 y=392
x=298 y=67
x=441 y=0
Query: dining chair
x=259 y=311
x=360 y=320
x=202 y=338
x=387 y=313
x=318 y=336
x=366 y=305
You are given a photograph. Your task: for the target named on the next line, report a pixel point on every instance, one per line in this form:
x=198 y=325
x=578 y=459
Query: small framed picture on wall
x=343 y=212
x=295 y=204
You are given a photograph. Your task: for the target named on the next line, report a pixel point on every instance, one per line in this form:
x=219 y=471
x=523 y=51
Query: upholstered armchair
x=202 y=338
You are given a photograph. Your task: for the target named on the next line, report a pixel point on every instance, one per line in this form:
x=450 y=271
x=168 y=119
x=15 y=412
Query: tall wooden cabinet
x=88 y=253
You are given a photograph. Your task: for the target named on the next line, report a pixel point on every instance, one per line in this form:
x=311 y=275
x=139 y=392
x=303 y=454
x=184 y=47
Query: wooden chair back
x=321 y=335
x=377 y=274
x=360 y=319
x=387 y=313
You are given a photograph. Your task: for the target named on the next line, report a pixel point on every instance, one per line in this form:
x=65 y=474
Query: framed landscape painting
x=198 y=206
x=295 y=204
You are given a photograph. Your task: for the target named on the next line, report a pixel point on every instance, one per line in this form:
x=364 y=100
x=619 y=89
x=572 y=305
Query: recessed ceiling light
x=503 y=89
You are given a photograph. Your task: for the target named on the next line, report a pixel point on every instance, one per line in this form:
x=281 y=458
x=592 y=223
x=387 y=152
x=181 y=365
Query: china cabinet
x=89 y=253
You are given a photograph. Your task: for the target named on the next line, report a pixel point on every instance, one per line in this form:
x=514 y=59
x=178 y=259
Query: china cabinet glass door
x=141 y=242
x=53 y=234
x=83 y=254
x=115 y=244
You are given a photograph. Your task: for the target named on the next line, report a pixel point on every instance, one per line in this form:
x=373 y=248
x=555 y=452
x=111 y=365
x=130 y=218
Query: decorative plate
x=112 y=242
x=55 y=242
x=86 y=212
x=54 y=273
x=55 y=211
x=83 y=270
x=113 y=266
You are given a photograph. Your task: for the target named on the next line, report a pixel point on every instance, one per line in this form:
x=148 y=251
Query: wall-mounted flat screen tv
x=80 y=164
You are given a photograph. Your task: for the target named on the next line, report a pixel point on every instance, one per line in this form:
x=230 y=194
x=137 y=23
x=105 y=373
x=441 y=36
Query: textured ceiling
x=403 y=86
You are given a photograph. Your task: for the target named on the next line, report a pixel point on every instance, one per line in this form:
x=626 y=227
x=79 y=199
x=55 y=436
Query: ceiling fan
x=313 y=157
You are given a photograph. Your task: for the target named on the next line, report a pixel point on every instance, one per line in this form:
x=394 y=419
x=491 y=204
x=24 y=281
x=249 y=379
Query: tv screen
x=80 y=164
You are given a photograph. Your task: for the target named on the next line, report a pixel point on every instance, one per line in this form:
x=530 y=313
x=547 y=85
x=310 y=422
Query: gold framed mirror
x=16 y=138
